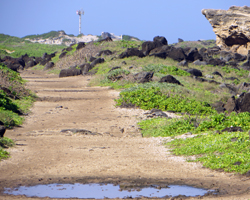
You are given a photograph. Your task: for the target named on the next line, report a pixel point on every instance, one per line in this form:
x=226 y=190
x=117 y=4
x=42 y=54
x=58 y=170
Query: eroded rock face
x=232 y=28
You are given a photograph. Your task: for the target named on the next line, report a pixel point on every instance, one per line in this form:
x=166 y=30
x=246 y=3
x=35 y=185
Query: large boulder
x=170 y=79
x=26 y=59
x=219 y=106
x=144 y=77
x=161 y=40
x=97 y=61
x=243 y=103
x=162 y=55
x=107 y=39
x=132 y=52
x=91 y=59
x=45 y=61
x=63 y=54
x=194 y=72
x=70 y=72
x=215 y=62
x=85 y=68
x=69 y=48
x=239 y=57
x=232 y=129
x=193 y=55
x=105 y=35
x=183 y=63
x=44 y=56
x=105 y=52
x=226 y=56
x=2 y=131
x=231 y=28
x=80 y=45
x=244 y=86
x=38 y=60
x=31 y=63
x=49 y=65
x=213 y=51
x=160 y=52
x=149 y=45
x=14 y=64
x=217 y=73
x=177 y=54
x=198 y=62
x=231 y=105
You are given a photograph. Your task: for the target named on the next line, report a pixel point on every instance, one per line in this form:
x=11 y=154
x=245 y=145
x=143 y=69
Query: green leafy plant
x=6 y=103
x=163 y=69
x=5 y=143
x=154 y=98
x=116 y=72
x=165 y=127
x=228 y=151
x=238 y=72
x=195 y=124
x=16 y=101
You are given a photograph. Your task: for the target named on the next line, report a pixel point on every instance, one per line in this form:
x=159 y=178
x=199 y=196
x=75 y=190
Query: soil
x=102 y=144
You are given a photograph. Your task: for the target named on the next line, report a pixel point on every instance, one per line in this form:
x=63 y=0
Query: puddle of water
x=100 y=191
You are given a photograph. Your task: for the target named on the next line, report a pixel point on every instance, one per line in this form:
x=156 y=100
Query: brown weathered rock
x=231 y=105
x=231 y=28
x=2 y=131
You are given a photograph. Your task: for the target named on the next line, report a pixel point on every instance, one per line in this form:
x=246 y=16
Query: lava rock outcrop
x=232 y=28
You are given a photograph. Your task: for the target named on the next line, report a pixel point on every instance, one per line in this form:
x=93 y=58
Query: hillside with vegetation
x=16 y=47
x=154 y=80
x=15 y=102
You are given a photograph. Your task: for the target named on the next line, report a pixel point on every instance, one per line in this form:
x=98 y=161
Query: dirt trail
x=113 y=151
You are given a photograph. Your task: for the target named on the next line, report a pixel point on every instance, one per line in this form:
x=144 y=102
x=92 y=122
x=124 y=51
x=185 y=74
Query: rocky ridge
x=232 y=28
x=69 y=40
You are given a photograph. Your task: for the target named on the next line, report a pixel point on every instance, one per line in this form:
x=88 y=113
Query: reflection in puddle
x=99 y=191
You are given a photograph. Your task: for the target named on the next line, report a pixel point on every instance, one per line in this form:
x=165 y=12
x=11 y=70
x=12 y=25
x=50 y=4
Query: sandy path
x=117 y=153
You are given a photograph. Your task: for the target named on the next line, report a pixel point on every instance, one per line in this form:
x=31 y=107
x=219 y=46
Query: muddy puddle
x=101 y=191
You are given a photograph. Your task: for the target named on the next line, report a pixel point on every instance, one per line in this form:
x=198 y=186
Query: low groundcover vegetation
x=228 y=151
x=15 y=100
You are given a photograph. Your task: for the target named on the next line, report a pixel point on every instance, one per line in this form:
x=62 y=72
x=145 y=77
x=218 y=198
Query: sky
x=143 y=19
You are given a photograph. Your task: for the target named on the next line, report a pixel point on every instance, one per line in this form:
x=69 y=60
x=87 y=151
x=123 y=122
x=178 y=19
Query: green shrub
x=19 y=101
x=128 y=44
x=116 y=72
x=3 y=154
x=195 y=124
x=220 y=151
x=221 y=121
x=5 y=143
x=165 y=127
x=154 y=98
x=10 y=119
x=10 y=74
x=163 y=69
x=240 y=72
x=6 y=103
